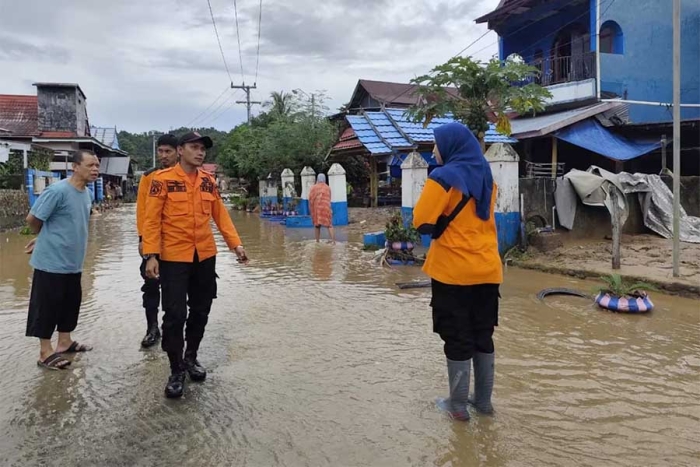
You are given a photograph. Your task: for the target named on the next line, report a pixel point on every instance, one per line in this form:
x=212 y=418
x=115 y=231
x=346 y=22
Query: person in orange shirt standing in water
x=167 y=156
x=180 y=250
x=320 y=207
x=457 y=208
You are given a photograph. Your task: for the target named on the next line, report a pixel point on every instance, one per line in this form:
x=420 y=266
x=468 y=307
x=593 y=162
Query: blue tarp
x=591 y=135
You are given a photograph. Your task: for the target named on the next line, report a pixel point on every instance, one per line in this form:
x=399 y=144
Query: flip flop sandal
x=54 y=361
x=75 y=347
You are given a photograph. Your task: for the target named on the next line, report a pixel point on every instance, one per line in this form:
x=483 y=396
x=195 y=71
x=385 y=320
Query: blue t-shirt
x=65 y=212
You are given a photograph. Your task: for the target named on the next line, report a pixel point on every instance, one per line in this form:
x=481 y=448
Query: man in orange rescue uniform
x=167 y=156
x=180 y=250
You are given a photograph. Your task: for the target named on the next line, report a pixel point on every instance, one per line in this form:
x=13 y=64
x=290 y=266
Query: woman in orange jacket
x=457 y=208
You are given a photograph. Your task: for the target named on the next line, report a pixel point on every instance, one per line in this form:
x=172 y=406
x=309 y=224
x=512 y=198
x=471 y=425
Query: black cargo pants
x=186 y=284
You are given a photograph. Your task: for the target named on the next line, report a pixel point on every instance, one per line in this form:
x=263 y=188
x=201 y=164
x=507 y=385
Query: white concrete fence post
x=339 y=194
x=414 y=173
x=308 y=178
x=288 y=190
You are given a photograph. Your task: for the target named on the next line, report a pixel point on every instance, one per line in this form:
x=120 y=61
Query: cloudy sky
x=156 y=64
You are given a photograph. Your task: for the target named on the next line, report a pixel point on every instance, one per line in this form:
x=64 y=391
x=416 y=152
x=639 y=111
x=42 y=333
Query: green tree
x=272 y=143
x=485 y=92
x=280 y=105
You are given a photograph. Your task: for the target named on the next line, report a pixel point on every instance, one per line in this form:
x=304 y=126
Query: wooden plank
x=616 y=227
x=374 y=182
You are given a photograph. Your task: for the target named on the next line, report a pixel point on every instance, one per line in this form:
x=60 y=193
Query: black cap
x=193 y=136
x=167 y=140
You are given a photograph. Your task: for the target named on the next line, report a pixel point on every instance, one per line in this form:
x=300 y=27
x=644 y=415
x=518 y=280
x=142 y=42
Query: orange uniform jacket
x=144 y=185
x=178 y=215
x=467 y=252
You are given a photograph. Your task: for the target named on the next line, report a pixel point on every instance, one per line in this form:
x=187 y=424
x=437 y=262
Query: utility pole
x=676 y=135
x=597 y=49
x=247 y=100
x=153 y=137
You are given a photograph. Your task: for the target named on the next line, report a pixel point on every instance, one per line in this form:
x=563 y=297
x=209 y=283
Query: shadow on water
x=316 y=358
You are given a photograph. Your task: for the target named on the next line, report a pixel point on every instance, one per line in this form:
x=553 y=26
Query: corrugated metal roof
x=383 y=132
x=390 y=94
x=367 y=136
x=115 y=166
x=417 y=133
x=19 y=115
x=107 y=136
x=523 y=128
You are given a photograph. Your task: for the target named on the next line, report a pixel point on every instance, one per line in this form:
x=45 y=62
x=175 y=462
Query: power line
x=227 y=88
x=216 y=113
x=218 y=39
x=470 y=45
x=257 y=59
x=238 y=36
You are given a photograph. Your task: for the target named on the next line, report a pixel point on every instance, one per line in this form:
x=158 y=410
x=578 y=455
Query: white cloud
x=156 y=64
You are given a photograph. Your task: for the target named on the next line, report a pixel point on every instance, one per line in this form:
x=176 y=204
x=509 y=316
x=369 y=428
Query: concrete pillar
x=414 y=173
x=288 y=190
x=504 y=167
x=100 y=195
x=268 y=193
x=339 y=194
x=308 y=178
x=29 y=182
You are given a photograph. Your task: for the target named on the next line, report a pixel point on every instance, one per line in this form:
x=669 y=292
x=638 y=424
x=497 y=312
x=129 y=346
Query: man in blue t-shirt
x=60 y=216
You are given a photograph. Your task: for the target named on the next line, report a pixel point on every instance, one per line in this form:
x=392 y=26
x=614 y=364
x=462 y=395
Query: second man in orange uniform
x=180 y=249
x=167 y=156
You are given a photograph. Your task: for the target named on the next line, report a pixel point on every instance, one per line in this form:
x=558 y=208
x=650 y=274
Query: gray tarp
x=657 y=206
x=594 y=186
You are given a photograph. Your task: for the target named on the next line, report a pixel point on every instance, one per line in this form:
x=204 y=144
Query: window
x=611 y=38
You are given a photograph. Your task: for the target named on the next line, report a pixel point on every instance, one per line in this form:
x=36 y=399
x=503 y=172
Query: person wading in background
x=167 y=156
x=180 y=248
x=457 y=208
x=60 y=216
x=320 y=207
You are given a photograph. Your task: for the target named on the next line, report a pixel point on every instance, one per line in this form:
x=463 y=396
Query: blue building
x=559 y=38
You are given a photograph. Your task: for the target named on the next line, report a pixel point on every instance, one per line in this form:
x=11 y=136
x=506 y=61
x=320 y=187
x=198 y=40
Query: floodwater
x=317 y=359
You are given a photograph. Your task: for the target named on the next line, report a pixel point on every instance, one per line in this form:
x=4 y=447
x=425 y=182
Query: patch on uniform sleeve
x=207 y=186
x=176 y=186
x=156 y=188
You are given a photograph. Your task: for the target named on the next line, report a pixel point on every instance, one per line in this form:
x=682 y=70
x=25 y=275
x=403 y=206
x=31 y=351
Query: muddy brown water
x=316 y=359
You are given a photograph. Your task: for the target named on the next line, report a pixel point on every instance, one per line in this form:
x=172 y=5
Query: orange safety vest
x=178 y=214
x=467 y=252
x=144 y=186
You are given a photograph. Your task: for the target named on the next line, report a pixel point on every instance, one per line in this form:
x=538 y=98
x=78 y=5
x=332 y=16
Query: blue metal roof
x=381 y=132
x=416 y=132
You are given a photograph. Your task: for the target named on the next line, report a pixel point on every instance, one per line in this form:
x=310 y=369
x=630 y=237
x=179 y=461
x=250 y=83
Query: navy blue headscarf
x=465 y=168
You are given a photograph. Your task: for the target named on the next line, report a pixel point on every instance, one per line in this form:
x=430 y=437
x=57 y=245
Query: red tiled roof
x=19 y=114
x=211 y=168
x=349 y=133
x=347 y=144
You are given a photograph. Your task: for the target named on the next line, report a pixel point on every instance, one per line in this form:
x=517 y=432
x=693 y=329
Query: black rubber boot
x=176 y=385
x=176 y=381
x=196 y=371
x=153 y=333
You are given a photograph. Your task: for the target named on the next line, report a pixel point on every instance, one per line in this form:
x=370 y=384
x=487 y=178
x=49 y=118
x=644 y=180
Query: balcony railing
x=565 y=69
